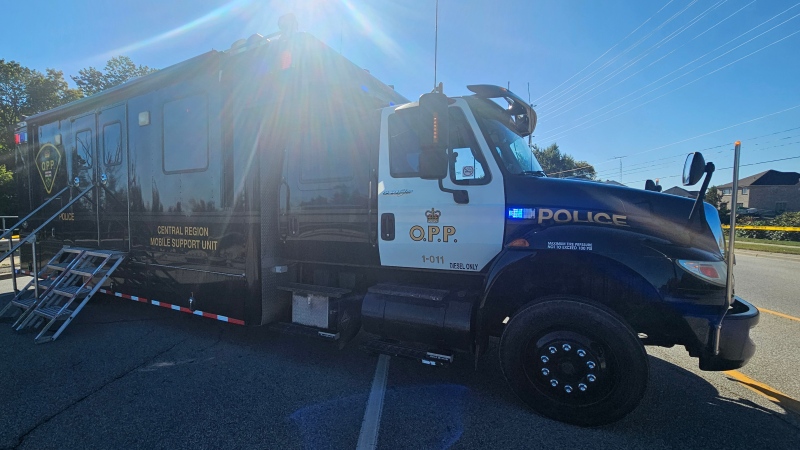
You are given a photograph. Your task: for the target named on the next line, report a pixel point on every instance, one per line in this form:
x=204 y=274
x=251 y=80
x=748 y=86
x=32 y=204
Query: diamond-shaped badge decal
x=47 y=161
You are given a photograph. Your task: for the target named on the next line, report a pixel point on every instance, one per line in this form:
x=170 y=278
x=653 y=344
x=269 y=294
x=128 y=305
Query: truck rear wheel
x=573 y=361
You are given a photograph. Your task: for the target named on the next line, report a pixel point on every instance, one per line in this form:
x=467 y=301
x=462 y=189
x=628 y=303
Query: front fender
x=625 y=271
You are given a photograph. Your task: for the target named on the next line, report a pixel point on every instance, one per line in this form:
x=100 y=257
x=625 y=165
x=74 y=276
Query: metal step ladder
x=37 y=287
x=79 y=276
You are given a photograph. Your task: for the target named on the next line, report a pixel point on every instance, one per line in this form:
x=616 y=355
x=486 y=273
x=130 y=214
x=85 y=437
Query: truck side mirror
x=434 y=132
x=433 y=165
x=693 y=168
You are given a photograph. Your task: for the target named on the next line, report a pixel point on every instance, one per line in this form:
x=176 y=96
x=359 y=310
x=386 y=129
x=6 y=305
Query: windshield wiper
x=537 y=173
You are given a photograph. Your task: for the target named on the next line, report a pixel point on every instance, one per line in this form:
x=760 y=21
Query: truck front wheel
x=573 y=361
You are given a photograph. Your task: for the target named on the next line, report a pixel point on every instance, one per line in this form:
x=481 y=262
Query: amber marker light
x=519 y=243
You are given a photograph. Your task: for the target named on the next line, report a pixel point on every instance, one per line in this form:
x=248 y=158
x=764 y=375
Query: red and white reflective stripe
x=161 y=304
x=174 y=307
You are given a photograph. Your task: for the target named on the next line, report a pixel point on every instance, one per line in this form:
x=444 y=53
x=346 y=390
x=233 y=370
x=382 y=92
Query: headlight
x=715 y=272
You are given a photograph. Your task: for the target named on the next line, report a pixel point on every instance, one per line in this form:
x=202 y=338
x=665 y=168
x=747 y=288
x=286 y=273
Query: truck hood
x=553 y=202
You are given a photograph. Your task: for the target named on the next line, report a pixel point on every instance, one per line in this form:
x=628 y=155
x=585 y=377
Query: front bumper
x=735 y=345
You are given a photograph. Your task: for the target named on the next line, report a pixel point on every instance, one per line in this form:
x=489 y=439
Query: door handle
x=387 y=226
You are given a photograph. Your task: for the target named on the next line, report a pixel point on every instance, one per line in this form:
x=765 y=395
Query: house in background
x=767 y=192
x=675 y=190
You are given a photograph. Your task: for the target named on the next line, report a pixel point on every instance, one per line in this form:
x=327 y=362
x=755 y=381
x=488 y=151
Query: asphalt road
x=129 y=375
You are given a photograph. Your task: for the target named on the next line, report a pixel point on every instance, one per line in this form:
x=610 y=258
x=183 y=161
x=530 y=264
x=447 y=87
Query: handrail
x=20 y=222
x=46 y=222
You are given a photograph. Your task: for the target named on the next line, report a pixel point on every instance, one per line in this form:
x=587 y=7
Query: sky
x=629 y=86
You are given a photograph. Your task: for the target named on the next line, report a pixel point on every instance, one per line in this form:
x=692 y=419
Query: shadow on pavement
x=132 y=375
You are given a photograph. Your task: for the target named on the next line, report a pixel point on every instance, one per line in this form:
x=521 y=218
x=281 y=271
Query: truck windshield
x=510 y=149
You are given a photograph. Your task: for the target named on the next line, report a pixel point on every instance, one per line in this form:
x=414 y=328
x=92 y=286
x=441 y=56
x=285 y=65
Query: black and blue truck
x=276 y=183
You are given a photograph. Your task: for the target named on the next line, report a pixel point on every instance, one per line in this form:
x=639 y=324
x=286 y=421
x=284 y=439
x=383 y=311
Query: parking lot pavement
x=130 y=375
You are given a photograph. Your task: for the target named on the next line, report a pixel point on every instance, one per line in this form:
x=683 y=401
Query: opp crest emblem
x=47 y=162
x=433 y=215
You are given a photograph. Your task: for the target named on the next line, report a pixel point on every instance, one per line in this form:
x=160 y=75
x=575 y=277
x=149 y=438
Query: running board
x=407 y=351
x=303 y=330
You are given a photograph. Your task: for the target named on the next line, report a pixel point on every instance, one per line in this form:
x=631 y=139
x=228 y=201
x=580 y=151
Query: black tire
x=574 y=361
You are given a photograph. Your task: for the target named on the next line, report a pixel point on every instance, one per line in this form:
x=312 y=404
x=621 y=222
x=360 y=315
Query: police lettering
x=418 y=233
x=566 y=216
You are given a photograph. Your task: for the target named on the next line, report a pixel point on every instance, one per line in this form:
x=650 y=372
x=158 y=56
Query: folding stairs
x=65 y=285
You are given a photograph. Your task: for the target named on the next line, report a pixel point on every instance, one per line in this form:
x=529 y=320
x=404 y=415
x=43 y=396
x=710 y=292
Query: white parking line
x=368 y=438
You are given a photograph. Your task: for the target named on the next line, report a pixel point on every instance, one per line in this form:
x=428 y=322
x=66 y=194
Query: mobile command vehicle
x=276 y=183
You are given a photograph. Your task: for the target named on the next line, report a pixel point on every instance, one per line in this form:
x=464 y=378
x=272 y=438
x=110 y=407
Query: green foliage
x=561 y=165
x=7 y=199
x=24 y=92
x=713 y=196
x=787 y=219
x=117 y=71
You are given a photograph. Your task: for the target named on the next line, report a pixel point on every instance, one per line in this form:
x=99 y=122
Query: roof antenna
x=530 y=136
x=435 y=45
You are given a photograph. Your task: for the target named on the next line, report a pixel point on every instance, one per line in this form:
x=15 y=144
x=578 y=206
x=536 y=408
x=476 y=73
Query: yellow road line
x=783 y=400
x=785 y=316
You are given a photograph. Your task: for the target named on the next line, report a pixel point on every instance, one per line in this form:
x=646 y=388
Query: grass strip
x=767 y=248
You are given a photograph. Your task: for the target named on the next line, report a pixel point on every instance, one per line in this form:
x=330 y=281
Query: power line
x=624 y=52
x=731 y=167
x=684 y=66
x=632 y=63
x=549 y=116
x=703 y=134
x=640 y=167
x=604 y=53
x=561 y=134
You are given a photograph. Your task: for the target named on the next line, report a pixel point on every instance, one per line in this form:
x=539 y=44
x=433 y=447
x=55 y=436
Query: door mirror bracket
x=460 y=196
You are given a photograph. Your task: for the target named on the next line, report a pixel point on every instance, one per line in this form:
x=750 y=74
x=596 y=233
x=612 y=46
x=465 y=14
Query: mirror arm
x=460 y=196
x=702 y=194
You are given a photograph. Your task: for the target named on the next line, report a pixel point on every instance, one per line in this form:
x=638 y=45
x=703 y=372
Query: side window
x=466 y=163
x=112 y=144
x=404 y=148
x=83 y=144
x=186 y=134
x=327 y=150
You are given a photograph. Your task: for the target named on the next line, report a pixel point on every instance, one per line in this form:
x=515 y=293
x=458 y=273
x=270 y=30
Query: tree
x=713 y=196
x=561 y=165
x=24 y=92
x=117 y=71
x=7 y=200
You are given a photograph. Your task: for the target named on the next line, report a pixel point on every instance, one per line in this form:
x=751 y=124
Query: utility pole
x=620 y=166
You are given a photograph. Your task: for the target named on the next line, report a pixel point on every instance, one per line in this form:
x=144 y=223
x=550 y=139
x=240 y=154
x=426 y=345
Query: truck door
x=99 y=157
x=112 y=167
x=420 y=224
x=83 y=149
